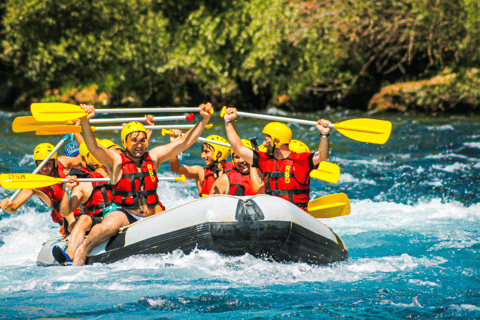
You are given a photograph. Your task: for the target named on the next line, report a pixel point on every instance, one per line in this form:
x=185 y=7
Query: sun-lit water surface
x=413 y=236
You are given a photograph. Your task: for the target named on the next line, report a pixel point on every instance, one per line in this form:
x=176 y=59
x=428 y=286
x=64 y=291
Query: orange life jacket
x=240 y=184
x=287 y=178
x=209 y=179
x=127 y=191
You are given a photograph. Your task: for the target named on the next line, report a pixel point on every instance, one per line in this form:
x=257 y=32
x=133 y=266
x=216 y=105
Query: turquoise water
x=413 y=237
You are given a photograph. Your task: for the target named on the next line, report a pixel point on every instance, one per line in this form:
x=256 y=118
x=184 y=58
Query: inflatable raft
x=263 y=226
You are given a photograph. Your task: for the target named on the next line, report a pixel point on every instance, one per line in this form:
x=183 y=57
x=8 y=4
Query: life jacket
x=127 y=192
x=288 y=178
x=100 y=198
x=55 y=194
x=209 y=178
x=240 y=184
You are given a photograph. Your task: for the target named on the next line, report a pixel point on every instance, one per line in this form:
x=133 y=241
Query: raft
x=263 y=226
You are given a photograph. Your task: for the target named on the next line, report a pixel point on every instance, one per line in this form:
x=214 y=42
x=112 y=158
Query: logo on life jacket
x=151 y=172
x=287 y=174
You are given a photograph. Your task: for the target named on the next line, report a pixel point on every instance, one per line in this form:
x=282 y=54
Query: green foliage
x=253 y=53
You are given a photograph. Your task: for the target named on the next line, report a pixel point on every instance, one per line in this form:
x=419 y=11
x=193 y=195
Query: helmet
x=280 y=131
x=225 y=151
x=71 y=149
x=42 y=151
x=84 y=152
x=131 y=127
x=247 y=143
x=262 y=148
x=107 y=143
x=298 y=146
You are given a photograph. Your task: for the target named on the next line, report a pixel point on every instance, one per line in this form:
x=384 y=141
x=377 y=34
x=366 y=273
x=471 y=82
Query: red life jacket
x=240 y=184
x=209 y=179
x=288 y=178
x=100 y=198
x=55 y=193
x=127 y=191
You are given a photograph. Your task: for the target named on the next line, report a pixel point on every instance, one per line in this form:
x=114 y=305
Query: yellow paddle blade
x=365 y=130
x=26 y=180
x=56 y=111
x=26 y=124
x=326 y=171
x=330 y=206
x=61 y=129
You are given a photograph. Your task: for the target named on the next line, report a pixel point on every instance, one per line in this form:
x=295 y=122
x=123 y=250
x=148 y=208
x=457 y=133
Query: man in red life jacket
x=215 y=157
x=50 y=195
x=285 y=173
x=133 y=175
x=236 y=181
x=91 y=197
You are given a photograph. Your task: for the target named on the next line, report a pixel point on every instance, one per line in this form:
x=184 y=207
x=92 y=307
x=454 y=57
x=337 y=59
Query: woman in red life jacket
x=236 y=181
x=50 y=195
x=215 y=157
x=91 y=197
x=285 y=173
x=133 y=175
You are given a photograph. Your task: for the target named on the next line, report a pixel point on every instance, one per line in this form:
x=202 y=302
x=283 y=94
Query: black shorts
x=131 y=217
x=95 y=220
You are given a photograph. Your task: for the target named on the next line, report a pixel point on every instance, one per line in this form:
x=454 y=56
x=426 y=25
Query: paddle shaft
x=142 y=119
x=37 y=169
x=175 y=126
x=148 y=110
x=306 y=122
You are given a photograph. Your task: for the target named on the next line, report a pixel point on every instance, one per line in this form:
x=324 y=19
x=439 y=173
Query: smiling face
x=48 y=168
x=240 y=164
x=136 y=144
x=207 y=154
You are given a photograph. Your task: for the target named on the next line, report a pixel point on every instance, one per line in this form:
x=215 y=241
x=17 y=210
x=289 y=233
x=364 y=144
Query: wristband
x=325 y=135
x=228 y=121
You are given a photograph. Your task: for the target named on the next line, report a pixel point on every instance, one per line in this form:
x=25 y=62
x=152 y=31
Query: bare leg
x=77 y=236
x=99 y=233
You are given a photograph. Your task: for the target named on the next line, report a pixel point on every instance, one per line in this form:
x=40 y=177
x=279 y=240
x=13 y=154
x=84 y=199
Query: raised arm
x=233 y=138
x=12 y=206
x=107 y=157
x=168 y=151
x=323 y=146
x=190 y=172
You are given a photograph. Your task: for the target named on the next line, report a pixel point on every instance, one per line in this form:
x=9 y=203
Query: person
x=133 y=175
x=109 y=144
x=50 y=195
x=236 y=181
x=215 y=157
x=285 y=173
x=91 y=197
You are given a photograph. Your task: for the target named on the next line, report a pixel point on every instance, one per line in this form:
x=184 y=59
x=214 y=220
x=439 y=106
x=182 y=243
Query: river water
x=413 y=236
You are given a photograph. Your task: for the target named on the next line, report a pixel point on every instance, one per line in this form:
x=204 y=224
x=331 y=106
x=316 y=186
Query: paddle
x=364 y=130
x=63 y=129
x=25 y=124
x=32 y=181
x=330 y=206
x=57 y=111
x=326 y=171
x=43 y=163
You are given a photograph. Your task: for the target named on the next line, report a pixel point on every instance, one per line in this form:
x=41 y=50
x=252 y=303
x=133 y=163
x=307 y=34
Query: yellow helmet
x=225 y=151
x=107 y=143
x=298 y=146
x=247 y=143
x=280 y=131
x=131 y=127
x=262 y=148
x=84 y=152
x=42 y=151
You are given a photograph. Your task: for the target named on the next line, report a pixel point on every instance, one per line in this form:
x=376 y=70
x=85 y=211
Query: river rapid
x=413 y=236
